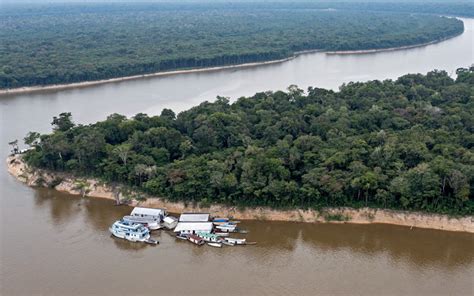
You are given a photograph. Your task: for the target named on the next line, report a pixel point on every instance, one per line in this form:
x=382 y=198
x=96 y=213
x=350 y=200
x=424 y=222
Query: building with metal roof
x=194 y=217
x=193 y=227
x=148 y=212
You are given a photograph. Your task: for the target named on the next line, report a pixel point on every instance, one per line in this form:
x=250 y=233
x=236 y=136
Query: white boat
x=221 y=233
x=216 y=245
x=209 y=237
x=235 y=241
x=133 y=232
x=224 y=242
x=150 y=223
x=227 y=227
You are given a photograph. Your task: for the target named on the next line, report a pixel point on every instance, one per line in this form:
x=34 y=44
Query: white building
x=170 y=222
x=194 y=217
x=156 y=214
x=193 y=227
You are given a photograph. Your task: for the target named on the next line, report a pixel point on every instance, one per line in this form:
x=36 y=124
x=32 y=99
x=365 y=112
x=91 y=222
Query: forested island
x=403 y=144
x=69 y=43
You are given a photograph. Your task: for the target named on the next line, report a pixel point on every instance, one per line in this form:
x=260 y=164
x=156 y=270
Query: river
x=57 y=244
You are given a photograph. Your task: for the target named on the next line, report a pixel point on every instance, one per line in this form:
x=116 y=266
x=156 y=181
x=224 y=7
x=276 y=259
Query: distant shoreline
x=32 y=89
x=369 y=51
x=67 y=183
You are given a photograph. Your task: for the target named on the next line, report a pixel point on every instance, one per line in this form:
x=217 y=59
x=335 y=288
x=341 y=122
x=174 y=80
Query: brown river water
x=53 y=243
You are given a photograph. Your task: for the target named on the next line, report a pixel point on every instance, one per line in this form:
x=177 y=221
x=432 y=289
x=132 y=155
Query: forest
x=67 y=43
x=400 y=144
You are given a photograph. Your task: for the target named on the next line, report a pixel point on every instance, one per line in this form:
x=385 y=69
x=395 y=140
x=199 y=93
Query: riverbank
x=94 y=188
x=31 y=89
x=369 y=51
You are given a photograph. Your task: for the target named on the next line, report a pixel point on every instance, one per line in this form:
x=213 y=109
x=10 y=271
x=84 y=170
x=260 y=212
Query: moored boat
x=223 y=221
x=228 y=227
x=182 y=236
x=209 y=237
x=196 y=240
x=235 y=241
x=224 y=242
x=130 y=231
x=216 y=245
x=218 y=233
x=150 y=223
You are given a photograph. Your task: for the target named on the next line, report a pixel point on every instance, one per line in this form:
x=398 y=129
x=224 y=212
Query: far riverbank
x=94 y=188
x=32 y=89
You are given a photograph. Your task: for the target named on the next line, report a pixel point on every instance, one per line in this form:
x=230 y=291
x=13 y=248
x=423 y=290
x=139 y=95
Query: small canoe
x=236 y=241
x=216 y=245
x=152 y=241
x=182 y=236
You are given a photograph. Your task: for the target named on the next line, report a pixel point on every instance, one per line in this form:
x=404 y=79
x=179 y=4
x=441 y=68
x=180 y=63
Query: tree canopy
x=404 y=144
x=66 y=43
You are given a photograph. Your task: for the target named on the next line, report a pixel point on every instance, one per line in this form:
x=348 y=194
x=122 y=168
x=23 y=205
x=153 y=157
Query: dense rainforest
x=66 y=43
x=403 y=144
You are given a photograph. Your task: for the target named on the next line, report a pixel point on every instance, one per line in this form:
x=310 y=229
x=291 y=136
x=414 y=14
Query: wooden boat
x=196 y=240
x=216 y=245
x=152 y=241
x=235 y=241
x=182 y=236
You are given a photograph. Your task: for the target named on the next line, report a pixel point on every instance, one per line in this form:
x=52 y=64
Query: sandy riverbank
x=67 y=183
x=369 y=51
x=30 y=89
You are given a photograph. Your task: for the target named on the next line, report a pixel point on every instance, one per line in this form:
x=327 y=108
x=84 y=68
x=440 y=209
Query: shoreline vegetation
x=43 y=88
x=93 y=188
x=30 y=89
x=401 y=144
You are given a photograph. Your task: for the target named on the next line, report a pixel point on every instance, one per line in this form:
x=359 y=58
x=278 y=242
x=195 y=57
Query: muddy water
x=60 y=246
x=57 y=244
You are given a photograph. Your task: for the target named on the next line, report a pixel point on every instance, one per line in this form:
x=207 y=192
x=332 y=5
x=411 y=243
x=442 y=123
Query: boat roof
x=147 y=211
x=194 y=217
x=208 y=235
x=138 y=218
x=128 y=225
x=193 y=226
